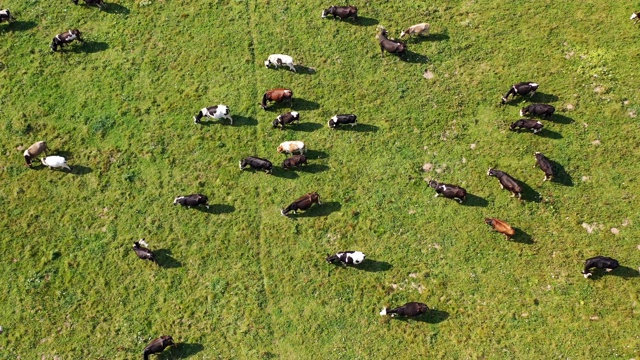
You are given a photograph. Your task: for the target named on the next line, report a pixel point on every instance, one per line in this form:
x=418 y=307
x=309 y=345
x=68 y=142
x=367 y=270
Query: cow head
x=331 y=258
x=178 y=200
x=524 y=111
x=276 y=122
x=267 y=63
x=491 y=172
x=634 y=16
x=167 y=340
x=433 y=184
x=328 y=11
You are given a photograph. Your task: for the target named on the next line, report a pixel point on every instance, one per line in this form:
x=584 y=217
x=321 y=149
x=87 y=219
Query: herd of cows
x=345 y=258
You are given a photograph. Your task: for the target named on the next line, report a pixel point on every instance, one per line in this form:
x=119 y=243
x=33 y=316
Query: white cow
x=418 y=29
x=289 y=147
x=279 y=60
x=55 y=162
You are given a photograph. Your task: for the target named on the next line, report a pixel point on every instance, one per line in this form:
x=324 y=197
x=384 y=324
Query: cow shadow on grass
x=474 y=200
x=561 y=176
x=244 y=121
x=521 y=237
x=622 y=271
x=358 y=128
x=550 y=134
x=432 y=316
x=306 y=127
x=542 y=98
x=19 y=26
x=529 y=194
x=315 y=154
x=432 y=37
x=165 y=260
x=80 y=170
x=561 y=119
x=181 y=351
x=216 y=209
x=302 y=104
x=283 y=173
x=90 y=47
x=318 y=210
x=365 y=21
x=414 y=58
x=304 y=70
x=113 y=8
x=312 y=168
x=374 y=266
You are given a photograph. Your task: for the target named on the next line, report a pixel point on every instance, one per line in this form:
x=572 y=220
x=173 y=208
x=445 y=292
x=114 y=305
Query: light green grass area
x=243 y=282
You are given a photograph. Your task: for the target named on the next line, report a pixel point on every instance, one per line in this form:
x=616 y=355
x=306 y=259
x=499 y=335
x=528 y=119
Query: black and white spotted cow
x=5 y=15
x=65 y=38
x=542 y=110
x=344 y=119
x=409 y=309
x=214 y=112
x=257 y=163
x=286 y=118
x=449 y=191
x=192 y=200
x=346 y=258
x=529 y=124
x=600 y=262
x=523 y=88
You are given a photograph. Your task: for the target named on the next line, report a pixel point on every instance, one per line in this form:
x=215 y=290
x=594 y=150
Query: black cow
x=390 y=45
x=294 y=161
x=192 y=200
x=142 y=252
x=507 y=182
x=346 y=258
x=341 y=12
x=449 y=191
x=257 y=163
x=409 y=309
x=5 y=15
x=65 y=38
x=534 y=125
x=542 y=110
x=600 y=262
x=523 y=88
x=286 y=118
x=99 y=3
x=302 y=203
x=157 y=346
x=344 y=119
x=545 y=165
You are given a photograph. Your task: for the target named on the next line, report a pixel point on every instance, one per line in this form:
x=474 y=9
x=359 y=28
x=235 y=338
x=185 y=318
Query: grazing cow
x=294 y=161
x=635 y=17
x=5 y=15
x=449 y=191
x=279 y=60
x=534 y=125
x=501 y=227
x=600 y=262
x=99 y=3
x=545 y=165
x=65 y=38
x=542 y=110
x=277 y=95
x=341 y=12
x=157 y=346
x=419 y=29
x=302 y=203
x=289 y=147
x=346 y=258
x=142 y=251
x=523 y=88
x=409 y=309
x=55 y=162
x=257 y=163
x=390 y=45
x=35 y=150
x=344 y=119
x=286 y=118
x=192 y=200
x=507 y=182
x=214 y=112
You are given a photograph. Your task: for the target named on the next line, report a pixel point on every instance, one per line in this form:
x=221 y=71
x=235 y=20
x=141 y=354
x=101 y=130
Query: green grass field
x=242 y=282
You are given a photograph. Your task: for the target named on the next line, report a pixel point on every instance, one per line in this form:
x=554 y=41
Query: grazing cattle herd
x=411 y=309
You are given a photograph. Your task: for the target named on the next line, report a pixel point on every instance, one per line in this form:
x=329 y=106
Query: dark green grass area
x=240 y=281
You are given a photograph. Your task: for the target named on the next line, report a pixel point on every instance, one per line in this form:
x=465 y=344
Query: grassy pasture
x=242 y=282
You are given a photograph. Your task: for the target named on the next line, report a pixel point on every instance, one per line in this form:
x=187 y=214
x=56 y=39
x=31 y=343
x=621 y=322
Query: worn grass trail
x=242 y=282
